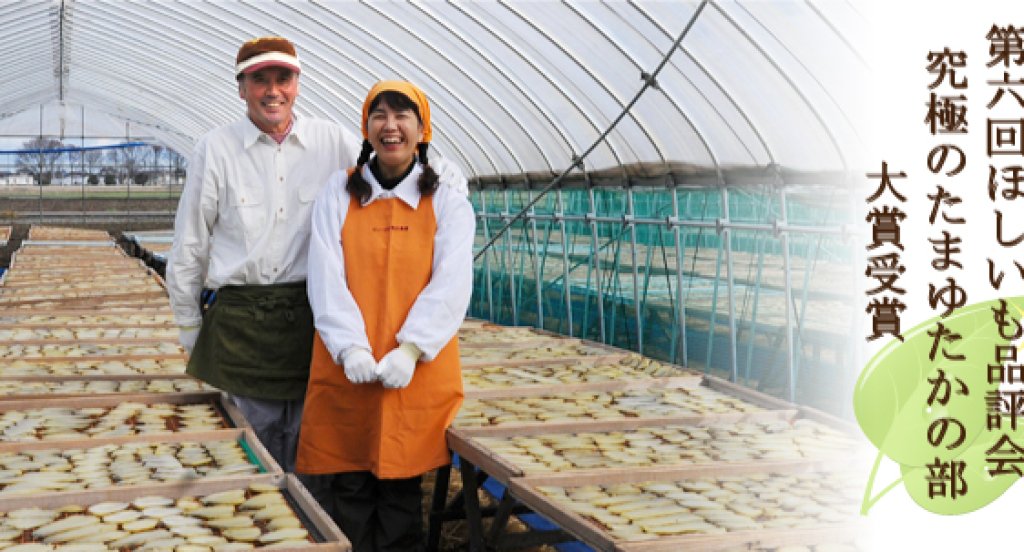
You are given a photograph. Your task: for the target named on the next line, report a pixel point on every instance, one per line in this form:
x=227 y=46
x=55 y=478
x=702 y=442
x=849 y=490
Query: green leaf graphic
x=982 y=488
x=891 y=396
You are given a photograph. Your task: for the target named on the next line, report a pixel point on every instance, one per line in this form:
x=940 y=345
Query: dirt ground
x=454 y=534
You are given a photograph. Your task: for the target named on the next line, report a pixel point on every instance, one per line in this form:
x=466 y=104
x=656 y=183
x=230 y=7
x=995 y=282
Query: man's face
x=269 y=94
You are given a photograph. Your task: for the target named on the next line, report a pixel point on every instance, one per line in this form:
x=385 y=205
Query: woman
x=390 y=278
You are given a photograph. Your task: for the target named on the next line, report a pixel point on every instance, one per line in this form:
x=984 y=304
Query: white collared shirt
x=440 y=307
x=244 y=214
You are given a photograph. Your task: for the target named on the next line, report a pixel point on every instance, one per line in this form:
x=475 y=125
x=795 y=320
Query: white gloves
x=360 y=367
x=396 y=368
x=187 y=336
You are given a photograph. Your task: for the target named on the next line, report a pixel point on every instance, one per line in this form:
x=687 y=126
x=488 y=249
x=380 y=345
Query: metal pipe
x=727 y=236
x=680 y=248
x=566 y=287
x=596 y=256
x=578 y=161
x=487 y=260
x=537 y=274
x=781 y=228
x=788 y=284
x=630 y=212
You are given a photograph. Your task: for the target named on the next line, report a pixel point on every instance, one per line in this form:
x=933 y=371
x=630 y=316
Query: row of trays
x=49 y=274
x=627 y=453
x=105 y=443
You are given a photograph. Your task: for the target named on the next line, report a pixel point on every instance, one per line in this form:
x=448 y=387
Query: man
x=242 y=229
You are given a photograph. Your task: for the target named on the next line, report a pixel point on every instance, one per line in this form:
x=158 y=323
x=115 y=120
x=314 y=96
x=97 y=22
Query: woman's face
x=393 y=133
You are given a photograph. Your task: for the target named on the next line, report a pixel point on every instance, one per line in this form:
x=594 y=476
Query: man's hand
x=449 y=174
x=360 y=367
x=187 y=336
x=397 y=367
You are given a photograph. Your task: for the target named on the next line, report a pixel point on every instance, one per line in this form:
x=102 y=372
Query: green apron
x=256 y=341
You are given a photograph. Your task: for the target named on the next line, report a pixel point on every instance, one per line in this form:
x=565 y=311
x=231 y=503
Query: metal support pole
x=753 y=314
x=681 y=307
x=596 y=256
x=513 y=297
x=81 y=158
x=488 y=258
x=637 y=307
x=787 y=275
x=566 y=287
x=41 y=161
x=727 y=236
x=127 y=138
x=538 y=275
x=713 y=323
x=711 y=225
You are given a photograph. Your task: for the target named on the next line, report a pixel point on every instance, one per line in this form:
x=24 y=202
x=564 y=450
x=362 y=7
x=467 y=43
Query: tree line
x=48 y=159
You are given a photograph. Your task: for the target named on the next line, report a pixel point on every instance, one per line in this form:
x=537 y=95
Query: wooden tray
x=232 y=416
x=98 y=377
x=478 y=363
x=25 y=381
x=20 y=280
x=528 y=379
x=525 y=490
x=109 y=325
x=533 y=342
x=326 y=534
x=163 y=356
x=672 y=382
x=464 y=441
x=100 y=341
x=164 y=310
x=729 y=389
x=97 y=299
x=468 y=444
x=6 y=364
x=245 y=436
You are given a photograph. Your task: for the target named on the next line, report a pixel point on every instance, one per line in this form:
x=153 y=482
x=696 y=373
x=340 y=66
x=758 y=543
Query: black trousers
x=379 y=515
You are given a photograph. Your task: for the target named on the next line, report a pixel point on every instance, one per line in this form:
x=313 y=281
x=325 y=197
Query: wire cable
x=650 y=80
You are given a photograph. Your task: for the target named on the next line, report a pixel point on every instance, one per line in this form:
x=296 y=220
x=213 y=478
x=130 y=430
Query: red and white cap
x=267 y=51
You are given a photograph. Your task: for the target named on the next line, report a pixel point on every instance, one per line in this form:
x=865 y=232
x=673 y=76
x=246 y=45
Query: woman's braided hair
x=359 y=187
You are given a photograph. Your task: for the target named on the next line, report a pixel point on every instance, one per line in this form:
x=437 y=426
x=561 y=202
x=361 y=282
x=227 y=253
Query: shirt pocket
x=249 y=213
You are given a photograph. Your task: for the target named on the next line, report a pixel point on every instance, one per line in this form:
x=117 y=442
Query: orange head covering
x=408 y=90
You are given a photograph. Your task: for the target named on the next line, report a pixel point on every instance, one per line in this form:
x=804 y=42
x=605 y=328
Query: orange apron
x=394 y=433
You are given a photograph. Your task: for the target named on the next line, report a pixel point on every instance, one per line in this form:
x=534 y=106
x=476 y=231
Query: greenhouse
x=664 y=197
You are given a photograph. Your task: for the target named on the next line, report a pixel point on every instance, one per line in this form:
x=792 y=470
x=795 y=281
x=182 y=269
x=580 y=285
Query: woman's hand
x=360 y=367
x=396 y=368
